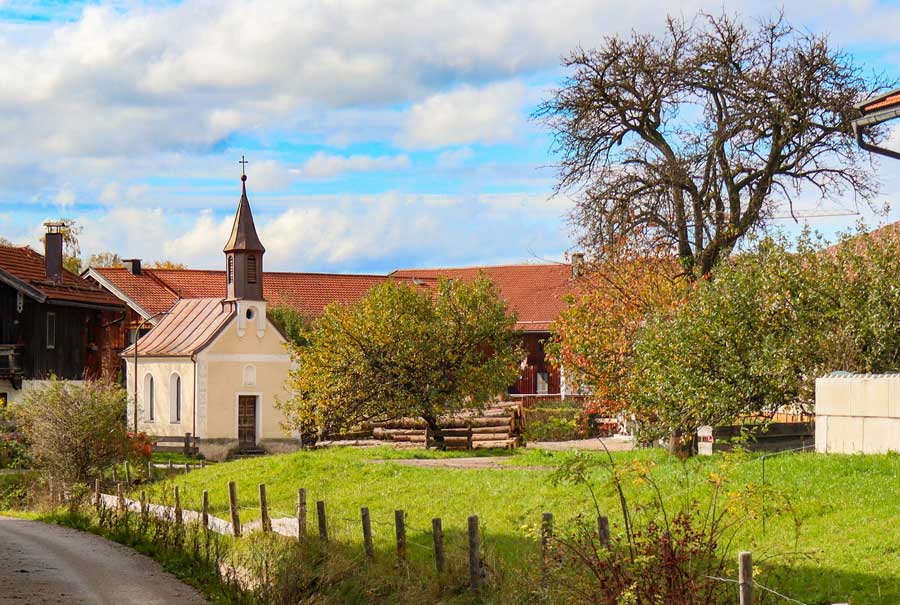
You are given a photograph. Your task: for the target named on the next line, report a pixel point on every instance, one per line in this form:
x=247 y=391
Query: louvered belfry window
x=251 y=270
x=230 y=268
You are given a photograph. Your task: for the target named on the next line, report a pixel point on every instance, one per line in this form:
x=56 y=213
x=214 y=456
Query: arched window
x=175 y=399
x=149 y=398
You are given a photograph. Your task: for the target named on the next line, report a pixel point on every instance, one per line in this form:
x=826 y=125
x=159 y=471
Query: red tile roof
x=889 y=100
x=28 y=267
x=535 y=292
x=188 y=328
x=158 y=289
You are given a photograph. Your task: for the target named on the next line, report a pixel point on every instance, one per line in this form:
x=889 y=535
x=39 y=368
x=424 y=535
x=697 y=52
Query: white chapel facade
x=215 y=368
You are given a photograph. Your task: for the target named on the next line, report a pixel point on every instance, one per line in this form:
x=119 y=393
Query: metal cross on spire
x=243 y=164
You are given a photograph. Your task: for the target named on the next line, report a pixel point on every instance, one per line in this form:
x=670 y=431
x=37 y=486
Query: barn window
x=175 y=399
x=251 y=269
x=230 y=269
x=150 y=398
x=51 y=330
x=543 y=383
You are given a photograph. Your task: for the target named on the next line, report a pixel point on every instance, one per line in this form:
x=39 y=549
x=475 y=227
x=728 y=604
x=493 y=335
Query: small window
x=251 y=313
x=51 y=330
x=251 y=269
x=150 y=397
x=230 y=268
x=543 y=383
x=175 y=411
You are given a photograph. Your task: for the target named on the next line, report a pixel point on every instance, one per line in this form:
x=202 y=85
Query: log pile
x=498 y=426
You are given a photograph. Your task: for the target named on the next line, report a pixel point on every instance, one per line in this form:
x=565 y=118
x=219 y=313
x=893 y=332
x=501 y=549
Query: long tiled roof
x=535 y=292
x=26 y=269
x=189 y=327
x=158 y=289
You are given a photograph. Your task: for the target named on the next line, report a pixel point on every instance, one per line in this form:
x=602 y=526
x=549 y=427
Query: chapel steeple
x=244 y=252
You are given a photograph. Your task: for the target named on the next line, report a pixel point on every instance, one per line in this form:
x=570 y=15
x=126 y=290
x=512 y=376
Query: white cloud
x=454 y=158
x=65 y=197
x=491 y=114
x=325 y=166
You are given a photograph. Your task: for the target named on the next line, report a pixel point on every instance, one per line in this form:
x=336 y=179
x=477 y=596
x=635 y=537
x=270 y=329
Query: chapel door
x=247 y=421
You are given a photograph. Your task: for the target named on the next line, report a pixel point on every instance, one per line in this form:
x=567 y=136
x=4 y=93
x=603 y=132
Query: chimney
x=133 y=265
x=53 y=251
x=577 y=264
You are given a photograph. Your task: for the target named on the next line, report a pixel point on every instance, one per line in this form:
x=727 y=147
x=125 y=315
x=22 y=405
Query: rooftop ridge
x=500 y=266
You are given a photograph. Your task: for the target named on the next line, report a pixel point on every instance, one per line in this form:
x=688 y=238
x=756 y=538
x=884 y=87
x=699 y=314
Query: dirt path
x=613 y=444
x=484 y=462
x=41 y=563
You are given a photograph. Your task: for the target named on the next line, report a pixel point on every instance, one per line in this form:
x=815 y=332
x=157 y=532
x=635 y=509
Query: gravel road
x=41 y=563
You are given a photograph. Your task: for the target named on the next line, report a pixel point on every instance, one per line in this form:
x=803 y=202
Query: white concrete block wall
x=858 y=413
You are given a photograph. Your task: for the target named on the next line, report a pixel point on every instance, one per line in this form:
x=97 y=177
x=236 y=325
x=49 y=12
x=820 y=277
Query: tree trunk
x=435 y=430
x=681 y=443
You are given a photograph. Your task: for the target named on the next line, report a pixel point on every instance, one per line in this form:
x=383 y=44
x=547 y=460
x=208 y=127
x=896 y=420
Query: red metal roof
x=535 y=292
x=188 y=328
x=28 y=267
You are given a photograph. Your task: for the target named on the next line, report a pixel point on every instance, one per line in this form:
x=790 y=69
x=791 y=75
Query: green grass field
x=845 y=509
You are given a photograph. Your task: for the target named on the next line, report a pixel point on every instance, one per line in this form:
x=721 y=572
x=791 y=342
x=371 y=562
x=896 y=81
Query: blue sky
x=380 y=134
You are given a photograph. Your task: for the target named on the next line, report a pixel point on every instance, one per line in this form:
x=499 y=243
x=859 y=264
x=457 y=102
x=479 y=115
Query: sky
x=380 y=134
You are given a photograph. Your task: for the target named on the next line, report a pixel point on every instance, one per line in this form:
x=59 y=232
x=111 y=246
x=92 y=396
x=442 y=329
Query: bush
x=75 y=430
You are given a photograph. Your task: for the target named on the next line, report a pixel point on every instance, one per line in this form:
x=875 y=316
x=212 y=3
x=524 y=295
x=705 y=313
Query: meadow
x=830 y=533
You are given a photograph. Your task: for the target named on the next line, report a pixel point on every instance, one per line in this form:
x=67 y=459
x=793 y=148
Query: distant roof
x=535 y=292
x=882 y=101
x=189 y=327
x=157 y=290
x=25 y=270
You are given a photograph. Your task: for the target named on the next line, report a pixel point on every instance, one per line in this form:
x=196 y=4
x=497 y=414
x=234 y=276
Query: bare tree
x=699 y=136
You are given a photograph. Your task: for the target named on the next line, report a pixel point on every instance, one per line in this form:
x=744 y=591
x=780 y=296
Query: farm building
x=52 y=322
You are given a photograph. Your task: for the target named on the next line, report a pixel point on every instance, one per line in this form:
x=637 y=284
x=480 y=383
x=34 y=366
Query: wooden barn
x=52 y=322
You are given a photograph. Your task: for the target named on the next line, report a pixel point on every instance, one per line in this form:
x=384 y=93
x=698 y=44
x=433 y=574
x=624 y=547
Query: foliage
x=699 y=136
x=75 y=430
x=291 y=322
x=554 y=424
x=104 y=259
x=403 y=351
x=594 y=335
x=5 y=242
x=166 y=264
x=753 y=339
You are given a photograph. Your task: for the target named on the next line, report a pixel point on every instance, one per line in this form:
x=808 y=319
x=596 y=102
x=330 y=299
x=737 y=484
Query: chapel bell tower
x=244 y=254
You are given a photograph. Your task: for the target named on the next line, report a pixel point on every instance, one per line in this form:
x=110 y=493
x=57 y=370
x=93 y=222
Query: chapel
x=216 y=367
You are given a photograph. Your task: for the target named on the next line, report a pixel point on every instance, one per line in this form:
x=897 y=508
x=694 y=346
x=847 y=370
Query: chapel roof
x=189 y=327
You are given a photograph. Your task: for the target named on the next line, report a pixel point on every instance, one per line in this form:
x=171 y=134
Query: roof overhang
x=96 y=275
x=22 y=286
x=874 y=118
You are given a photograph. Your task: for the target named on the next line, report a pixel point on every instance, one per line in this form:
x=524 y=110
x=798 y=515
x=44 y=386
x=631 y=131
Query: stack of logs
x=499 y=425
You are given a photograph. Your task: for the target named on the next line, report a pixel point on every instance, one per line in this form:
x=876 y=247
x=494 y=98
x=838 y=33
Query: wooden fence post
x=97 y=493
x=204 y=509
x=179 y=518
x=301 y=513
x=367 y=533
x=170 y=466
x=115 y=475
x=235 y=518
x=187 y=468
x=474 y=554
x=127 y=473
x=400 y=523
x=150 y=469
x=264 y=519
x=120 y=496
x=145 y=506
x=437 y=532
x=745 y=577
x=546 y=536
x=603 y=530
x=323 y=523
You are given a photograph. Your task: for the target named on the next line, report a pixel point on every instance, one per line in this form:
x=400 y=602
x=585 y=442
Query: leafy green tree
x=753 y=339
x=290 y=321
x=167 y=264
x=75 y=430
x=403 y=351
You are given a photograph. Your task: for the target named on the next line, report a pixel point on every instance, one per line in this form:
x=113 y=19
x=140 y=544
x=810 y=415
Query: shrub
x=75 y=430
